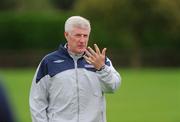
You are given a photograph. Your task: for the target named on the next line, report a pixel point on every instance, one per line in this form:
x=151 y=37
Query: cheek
x=71 y=41
x=73 y=44
x=87 y=41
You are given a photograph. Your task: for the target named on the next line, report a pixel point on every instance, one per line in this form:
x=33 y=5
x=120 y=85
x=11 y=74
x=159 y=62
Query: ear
x=66 y=35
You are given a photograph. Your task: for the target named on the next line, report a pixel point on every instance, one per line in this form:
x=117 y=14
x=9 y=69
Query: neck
x=72 y=54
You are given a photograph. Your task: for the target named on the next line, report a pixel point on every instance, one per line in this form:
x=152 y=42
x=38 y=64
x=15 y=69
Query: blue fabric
x=5 y=110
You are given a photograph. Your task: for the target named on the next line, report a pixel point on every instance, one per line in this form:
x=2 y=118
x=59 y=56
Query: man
x=70 y=83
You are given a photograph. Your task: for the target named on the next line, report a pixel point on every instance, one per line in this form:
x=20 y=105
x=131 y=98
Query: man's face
x=77 y=40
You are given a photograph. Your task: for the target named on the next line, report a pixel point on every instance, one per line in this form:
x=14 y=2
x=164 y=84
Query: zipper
x=77 y=83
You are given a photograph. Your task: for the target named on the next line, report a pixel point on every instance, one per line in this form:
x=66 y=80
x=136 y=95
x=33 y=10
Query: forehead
x=80 y=30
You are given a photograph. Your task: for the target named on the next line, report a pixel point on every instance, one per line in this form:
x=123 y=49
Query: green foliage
x=31 y=30
x=130 y=25
x=63 y=4
x=8 y=4
x=134 y=24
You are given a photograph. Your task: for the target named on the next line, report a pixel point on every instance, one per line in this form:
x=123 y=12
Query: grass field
x=146 y=95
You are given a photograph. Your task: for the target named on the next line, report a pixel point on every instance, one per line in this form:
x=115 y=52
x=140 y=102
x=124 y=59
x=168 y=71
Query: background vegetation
x=137 y=33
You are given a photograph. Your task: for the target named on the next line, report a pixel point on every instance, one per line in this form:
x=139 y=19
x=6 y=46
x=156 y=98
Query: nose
x=82 y=38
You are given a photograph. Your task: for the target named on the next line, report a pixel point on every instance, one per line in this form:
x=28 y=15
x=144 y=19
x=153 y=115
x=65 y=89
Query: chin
x=81 y=51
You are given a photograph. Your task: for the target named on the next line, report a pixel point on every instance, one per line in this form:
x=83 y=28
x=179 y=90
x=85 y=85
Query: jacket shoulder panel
x=53 y=64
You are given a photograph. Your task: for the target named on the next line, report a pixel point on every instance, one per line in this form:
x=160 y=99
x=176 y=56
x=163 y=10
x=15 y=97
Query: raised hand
x=95 y=57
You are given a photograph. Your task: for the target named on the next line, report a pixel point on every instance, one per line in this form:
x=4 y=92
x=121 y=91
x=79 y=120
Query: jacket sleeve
x=39 y=95
x=109 y=78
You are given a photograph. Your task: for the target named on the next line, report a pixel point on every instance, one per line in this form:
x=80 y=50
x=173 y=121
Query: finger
x=97 y=49
x=87 y=59
x=104 y=51
x=88 y=53
x=91 y=51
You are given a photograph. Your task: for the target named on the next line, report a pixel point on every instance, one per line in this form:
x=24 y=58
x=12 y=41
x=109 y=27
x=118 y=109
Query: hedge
x=22 y=31
x=31 y=30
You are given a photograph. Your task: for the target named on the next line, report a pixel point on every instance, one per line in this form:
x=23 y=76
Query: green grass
x=146 y=95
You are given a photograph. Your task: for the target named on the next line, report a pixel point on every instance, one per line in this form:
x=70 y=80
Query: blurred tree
x=63 y=4
x=135 y=22
x=7 y=4
x=34 y=5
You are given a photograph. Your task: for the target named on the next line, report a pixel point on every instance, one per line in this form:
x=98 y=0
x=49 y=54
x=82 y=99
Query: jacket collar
x=64 y=50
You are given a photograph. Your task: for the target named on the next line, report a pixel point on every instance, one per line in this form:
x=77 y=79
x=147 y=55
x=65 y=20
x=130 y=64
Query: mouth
x=81 y=46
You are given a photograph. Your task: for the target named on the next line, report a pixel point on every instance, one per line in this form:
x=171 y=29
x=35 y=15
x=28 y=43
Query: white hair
x=77 y=21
